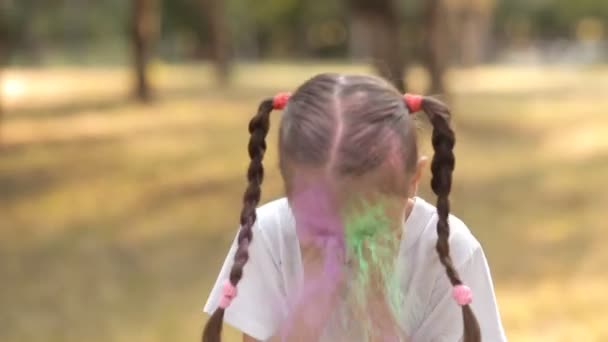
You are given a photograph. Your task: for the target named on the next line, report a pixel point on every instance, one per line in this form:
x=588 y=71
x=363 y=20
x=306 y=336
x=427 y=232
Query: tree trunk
x=3 y=54
x=1 y=100
x=475 y=20
x=219 y=37
x=469 y=44
x=144 y=31
x=360 y=37
x=382 y=21
x=436 y=44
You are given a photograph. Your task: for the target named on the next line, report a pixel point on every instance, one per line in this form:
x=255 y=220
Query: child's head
x=348 y=129
x=350 y=134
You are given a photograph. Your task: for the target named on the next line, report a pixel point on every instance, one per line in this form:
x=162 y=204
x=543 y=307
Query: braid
x=442 y=166
x=258 y=128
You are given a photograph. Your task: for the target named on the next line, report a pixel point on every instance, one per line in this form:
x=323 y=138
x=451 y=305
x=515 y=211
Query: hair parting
x=258 y=129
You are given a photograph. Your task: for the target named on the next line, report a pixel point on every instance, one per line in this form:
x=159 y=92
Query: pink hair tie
x=462 y=294
x=279 y=101
x=228 y=294
x=413 y=102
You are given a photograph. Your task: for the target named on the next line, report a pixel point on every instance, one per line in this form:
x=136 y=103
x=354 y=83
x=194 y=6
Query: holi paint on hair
x=316 y=215
x=371 y=249
x=320 y=231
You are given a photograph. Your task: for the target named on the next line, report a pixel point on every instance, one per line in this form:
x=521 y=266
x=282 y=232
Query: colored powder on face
x=367 y=241
x=320 y=231
x=317 y=219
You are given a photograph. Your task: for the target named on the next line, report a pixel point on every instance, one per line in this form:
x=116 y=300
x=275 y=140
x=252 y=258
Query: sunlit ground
x=114 y=216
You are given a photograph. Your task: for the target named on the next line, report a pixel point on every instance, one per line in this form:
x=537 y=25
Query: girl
x=316 y=265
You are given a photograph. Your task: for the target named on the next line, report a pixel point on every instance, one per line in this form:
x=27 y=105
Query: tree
x=436 y=43
x=1 y=101
x=3 y=54
x=144 y=30
x=474 y=23
x=214 y=15
x=381 y=18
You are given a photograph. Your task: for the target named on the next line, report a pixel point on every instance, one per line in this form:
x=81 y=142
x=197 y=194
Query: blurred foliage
x=548 y=19
x=95 y=31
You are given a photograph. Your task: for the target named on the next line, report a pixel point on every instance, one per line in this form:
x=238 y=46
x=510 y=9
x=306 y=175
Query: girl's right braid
x=442 y=166
x=258 y=128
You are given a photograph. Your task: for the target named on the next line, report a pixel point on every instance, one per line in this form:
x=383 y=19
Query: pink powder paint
x=320 y=231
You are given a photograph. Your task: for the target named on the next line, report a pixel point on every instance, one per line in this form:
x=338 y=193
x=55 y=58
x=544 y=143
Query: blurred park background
x=123 y=134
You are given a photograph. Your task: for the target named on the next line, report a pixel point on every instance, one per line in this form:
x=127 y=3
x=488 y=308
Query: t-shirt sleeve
x=444 y=322
x=256 y=310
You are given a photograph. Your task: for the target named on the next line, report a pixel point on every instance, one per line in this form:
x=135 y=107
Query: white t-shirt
x=275 y=268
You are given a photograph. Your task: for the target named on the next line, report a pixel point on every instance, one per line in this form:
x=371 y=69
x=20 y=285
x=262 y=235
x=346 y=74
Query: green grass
x=114 y=217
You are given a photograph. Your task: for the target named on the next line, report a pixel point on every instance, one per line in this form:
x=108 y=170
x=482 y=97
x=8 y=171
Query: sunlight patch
x=577 y=142
x=12 y=89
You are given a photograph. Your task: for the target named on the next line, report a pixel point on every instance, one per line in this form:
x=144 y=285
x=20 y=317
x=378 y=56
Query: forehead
x=382 y=181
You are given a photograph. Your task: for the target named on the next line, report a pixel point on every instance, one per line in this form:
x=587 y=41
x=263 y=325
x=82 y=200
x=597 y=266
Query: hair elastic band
x=413 y=102
x=279 y=101
x=228 y=294
x=462 y=294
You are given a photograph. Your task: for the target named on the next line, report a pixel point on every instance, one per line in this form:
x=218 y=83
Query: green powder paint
x=372 y=248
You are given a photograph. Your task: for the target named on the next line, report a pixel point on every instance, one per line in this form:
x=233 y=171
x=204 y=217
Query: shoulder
x=467 y=256
x=463 y=244
x=272 y=210
x=273 y=213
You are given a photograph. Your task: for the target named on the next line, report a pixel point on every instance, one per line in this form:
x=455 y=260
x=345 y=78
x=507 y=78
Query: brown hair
x=348 y=126
x=442 y=167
